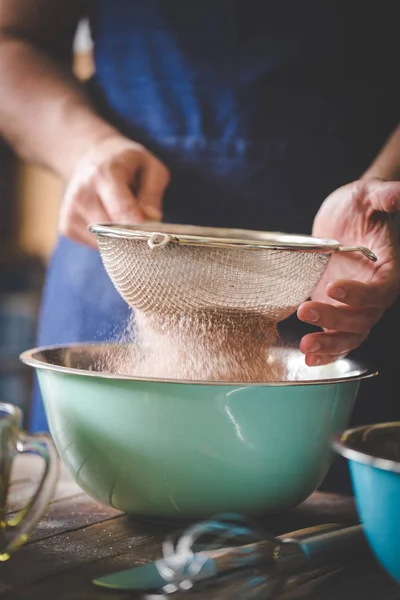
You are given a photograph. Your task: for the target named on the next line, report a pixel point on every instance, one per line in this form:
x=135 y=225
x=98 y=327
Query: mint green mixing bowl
x=180 y=449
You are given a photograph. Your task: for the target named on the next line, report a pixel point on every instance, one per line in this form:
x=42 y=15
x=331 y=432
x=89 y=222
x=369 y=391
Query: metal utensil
x=213 y=557
x=285 y=554
x=172 y=269
x=256 y=584
x=158 y=574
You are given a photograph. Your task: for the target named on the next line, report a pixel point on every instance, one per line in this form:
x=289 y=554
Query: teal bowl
x=373 y=453
x=172 y=449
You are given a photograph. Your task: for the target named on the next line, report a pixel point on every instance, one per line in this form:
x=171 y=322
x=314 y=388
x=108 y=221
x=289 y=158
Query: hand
x=102 y=184
x=354 y=292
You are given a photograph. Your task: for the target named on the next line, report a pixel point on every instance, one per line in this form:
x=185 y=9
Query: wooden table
x=80 y=539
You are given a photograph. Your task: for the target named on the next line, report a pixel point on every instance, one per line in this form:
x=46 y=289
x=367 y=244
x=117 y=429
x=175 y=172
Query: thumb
x=384 y=196
x=154 y=178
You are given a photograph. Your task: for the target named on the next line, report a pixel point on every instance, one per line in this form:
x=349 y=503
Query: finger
x=339 y=318
x=364 y=295
x=154 y=178
x=333 y=343
x=95 y=214
x=83 y=203
x=118 y=199
x=89 y=206
x=313 y=360
x=384 y=195
x=75 y=228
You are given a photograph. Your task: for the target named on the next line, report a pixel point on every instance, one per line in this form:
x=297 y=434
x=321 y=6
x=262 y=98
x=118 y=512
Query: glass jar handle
x=22 y=524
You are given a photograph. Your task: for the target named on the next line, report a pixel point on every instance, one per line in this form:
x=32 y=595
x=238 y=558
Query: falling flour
x=202 y=346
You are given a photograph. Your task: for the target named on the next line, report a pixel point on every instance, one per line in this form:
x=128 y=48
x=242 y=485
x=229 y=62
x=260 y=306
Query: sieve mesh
x=186 y=278
x=207 y=301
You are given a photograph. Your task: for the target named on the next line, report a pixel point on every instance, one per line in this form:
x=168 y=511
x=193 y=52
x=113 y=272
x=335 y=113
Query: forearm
x=44 y=113
x=387 y=163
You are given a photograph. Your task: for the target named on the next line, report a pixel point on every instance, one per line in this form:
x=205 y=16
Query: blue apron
x=259 y=108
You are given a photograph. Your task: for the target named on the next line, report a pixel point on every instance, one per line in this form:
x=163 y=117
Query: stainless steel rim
x=217 y=237
x=30 y=358
x=342 y=443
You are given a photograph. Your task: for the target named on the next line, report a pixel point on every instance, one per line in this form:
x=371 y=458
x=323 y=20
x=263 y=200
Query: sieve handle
x=365 y=251
x=158 y=240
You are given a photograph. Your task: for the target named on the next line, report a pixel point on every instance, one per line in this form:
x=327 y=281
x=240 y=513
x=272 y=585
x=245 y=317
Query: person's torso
x=260 y=108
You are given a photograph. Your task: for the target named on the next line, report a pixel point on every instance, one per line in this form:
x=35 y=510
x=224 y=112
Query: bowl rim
x=30 y=358
x=342 y=443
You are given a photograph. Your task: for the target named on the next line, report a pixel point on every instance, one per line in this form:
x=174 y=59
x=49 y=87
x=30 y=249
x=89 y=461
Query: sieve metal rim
x=259 y=240
x=219 y=237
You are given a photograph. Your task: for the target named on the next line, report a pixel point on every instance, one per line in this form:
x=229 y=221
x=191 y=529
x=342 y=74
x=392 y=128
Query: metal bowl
x=373 y=453
x=169 y=448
